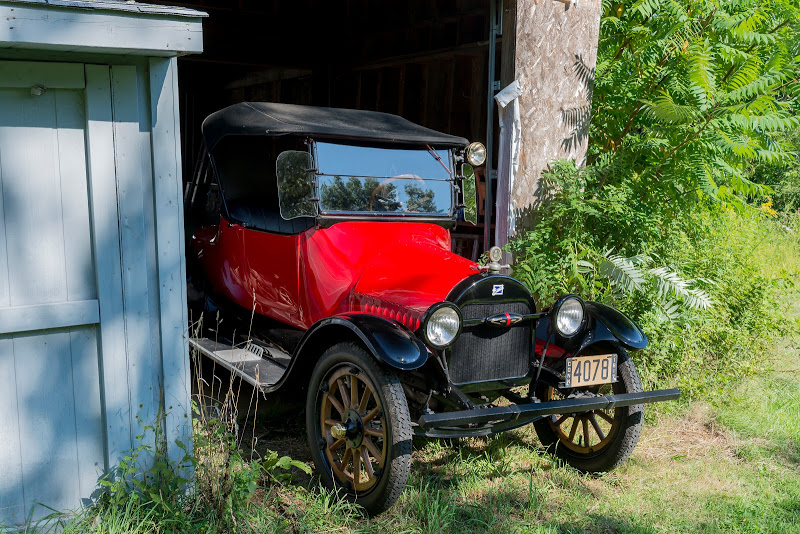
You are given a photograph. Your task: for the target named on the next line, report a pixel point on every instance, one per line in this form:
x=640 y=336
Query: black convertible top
x=271 y=119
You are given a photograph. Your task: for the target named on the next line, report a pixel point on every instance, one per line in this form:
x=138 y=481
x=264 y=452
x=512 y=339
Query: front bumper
x=486 y=421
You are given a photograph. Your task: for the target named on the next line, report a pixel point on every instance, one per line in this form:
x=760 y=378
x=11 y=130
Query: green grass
x=731 y=466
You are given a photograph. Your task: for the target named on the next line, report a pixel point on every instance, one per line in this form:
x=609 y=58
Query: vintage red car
x=333 y=234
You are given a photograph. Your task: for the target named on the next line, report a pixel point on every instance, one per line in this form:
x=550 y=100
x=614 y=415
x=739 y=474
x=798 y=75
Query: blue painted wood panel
x=30 y=167
x=133 y=170
x=53 y=315
x=92 y=278
x=51 y=425
x=103 y=204
x=168 y=192
x=46 y=420
x=12 y=502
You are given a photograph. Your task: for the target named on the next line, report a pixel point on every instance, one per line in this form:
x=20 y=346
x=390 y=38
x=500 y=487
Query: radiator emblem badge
x=497 y=289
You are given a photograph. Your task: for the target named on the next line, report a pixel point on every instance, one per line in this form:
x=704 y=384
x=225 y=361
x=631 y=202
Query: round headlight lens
x=442 y=326
x=476 y=154
x=569 y=317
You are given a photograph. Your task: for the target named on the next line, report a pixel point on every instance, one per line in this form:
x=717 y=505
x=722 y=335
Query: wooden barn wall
x=555 y=57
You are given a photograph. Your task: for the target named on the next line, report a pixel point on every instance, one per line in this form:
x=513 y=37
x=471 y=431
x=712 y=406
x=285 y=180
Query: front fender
x=386 y=340
x=605 y=324
x=619 y=325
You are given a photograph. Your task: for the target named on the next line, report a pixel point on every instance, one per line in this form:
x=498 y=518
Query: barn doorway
x=426 y=61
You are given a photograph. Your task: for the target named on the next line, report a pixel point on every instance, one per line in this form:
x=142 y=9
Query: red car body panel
x=392 y=269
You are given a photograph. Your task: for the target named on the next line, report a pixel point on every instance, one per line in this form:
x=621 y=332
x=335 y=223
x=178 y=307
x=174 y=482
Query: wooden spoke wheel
x=353 y=425
x=599 y=440
x=588 y=432
x=358 y=427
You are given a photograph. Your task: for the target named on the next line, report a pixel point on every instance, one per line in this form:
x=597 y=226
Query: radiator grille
x=485 y=352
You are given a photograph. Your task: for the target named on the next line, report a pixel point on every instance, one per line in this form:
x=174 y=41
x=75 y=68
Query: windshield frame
x=335 y=215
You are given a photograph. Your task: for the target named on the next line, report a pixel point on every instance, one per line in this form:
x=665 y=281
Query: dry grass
x=694 y=436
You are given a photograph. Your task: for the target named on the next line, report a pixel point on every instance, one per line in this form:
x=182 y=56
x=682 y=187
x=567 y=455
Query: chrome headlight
x=442 y=325
x=476 y=154
x=568 y=315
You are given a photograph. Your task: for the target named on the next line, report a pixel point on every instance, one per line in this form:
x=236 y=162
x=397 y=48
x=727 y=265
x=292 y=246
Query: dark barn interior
x=426 y=61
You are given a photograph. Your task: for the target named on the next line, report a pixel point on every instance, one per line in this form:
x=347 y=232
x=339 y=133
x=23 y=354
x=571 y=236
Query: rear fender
x=388 y=341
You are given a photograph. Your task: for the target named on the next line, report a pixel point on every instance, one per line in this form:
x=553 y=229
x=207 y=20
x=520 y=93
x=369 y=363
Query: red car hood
x=397 y=270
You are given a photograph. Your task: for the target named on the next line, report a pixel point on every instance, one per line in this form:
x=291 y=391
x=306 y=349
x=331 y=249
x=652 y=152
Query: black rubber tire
x=624 y=440
x=392 y=479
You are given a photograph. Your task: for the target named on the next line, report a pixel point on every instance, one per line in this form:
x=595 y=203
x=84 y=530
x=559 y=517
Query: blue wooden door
x=52 y=446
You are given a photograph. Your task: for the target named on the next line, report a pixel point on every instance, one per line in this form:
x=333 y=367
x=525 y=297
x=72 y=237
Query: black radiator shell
x=487 y=353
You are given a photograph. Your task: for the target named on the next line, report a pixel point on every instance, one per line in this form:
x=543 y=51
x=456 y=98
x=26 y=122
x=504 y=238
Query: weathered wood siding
x=555 y=57
x=92 y=298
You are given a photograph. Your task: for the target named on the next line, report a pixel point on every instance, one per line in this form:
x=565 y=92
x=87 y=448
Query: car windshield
x=357 y=179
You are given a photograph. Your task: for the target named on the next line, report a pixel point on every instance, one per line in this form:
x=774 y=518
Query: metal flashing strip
x=111 y=5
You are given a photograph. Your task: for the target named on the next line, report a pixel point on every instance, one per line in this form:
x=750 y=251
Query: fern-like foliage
x=672 y=294
x=692 y=94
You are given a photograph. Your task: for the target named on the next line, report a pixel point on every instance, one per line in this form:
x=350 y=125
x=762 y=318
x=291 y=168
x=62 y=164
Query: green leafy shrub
x=701 y=282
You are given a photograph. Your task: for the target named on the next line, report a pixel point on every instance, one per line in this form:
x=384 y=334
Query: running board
x=259 y=366
x=512 y=412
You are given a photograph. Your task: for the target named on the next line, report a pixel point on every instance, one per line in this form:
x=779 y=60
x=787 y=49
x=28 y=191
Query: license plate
x=591 y=370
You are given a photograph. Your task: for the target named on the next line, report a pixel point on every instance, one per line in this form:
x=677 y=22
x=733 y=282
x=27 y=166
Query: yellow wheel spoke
x=353 y=391
x=597 y=428
x=573 y=429
x=336 y=444
x=357 y=468
x=335 y=403
x=371 y=415
x=343 y=392
x=561 y=420
x=605 y=416
x=585 y=432
x=374 y=432
x=373 y=450
x=362 y=406
x=345 y=459
x=331 y=422
x=367 y=463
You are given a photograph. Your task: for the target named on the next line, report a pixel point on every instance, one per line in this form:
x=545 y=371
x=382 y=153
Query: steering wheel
x=387 y=181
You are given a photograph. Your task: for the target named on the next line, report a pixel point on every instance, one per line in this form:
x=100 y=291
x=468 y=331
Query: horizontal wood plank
x=47 y=316
x=16 y=74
